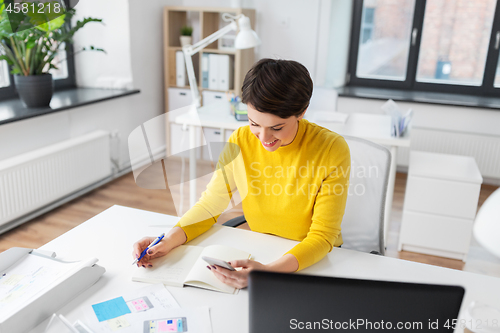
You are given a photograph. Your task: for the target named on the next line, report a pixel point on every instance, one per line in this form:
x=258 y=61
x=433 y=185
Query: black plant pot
x=35 y=90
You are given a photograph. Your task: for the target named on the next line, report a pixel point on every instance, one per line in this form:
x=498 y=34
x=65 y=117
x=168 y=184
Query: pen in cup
x=156 y=241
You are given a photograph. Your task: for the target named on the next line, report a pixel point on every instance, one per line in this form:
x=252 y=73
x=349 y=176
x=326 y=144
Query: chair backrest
x=363 y=222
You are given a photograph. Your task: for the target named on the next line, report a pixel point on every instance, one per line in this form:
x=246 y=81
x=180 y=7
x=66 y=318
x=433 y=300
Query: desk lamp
x=487 y=233
x=487 y=225
x=245 y=39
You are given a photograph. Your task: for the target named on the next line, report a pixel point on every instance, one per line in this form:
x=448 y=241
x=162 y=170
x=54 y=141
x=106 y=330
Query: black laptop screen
x=293 y=302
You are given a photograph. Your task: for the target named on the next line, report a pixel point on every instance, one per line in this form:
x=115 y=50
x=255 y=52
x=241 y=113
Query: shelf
x=205 y=21
x=200 y=89
x=218 y=51
x=183 y=87
x=222 y=91
x=179 y=48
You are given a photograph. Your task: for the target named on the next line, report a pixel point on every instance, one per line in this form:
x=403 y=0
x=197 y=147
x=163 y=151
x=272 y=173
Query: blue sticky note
x=111 y=309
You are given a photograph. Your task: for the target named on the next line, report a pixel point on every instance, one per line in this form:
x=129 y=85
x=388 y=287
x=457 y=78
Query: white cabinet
x=210 y=97
x=214 y=135
x=178 y=98
x=179 y=139
x=440 y=204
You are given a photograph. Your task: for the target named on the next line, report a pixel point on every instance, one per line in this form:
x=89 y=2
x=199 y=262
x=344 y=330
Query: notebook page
x=171 y=269
x=200 y=273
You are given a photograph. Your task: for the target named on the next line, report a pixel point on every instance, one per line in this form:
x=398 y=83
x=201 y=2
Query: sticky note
x=111 y=309
x=118 y=323
x=162 y=327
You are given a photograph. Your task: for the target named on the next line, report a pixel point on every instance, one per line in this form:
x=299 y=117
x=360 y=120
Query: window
x=64 y=77
x=367 y=27
x=384 y=43
x=426 y=45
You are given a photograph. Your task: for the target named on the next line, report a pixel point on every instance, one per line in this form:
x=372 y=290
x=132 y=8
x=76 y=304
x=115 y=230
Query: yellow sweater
x=297 y=192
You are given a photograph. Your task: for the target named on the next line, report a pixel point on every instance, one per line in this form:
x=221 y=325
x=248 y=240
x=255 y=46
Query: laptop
x=293 y=302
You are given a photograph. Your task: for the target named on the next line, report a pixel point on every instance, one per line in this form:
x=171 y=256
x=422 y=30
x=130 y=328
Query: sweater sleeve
x=329 y=209
x=215 y=199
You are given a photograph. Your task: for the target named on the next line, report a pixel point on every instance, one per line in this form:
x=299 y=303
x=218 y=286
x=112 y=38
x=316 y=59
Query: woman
x=293 y=174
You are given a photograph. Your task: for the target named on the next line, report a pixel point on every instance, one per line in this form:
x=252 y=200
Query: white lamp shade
x=246 y=38
x=487 y=225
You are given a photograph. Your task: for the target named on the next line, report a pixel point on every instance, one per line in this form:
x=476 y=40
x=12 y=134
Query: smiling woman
x=306 y=206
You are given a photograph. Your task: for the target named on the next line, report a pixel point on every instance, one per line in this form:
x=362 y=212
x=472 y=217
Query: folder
x=180 y=69
x=225 y=76
x=204 y=71
x=213 y=71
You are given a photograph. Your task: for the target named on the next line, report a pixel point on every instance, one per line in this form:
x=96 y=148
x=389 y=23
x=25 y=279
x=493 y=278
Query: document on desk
x=184 y=266
x=30 y=276
x=151 y=307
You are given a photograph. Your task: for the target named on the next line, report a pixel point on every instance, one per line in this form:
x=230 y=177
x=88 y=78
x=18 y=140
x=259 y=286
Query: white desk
x=373 y=127
x=110 y=235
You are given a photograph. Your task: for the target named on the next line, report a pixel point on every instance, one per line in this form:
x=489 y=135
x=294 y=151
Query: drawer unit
x=210 y=97
x=442 y=197
x=440 y=204
x=213 y=135
x=178 y=98
x=436 y=234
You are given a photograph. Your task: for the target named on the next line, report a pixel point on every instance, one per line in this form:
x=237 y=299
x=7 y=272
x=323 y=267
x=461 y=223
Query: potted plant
x=186 y=33
x=30 y=41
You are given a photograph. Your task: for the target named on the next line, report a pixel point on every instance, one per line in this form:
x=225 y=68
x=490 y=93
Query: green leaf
x=6 y=58
x=52 y=25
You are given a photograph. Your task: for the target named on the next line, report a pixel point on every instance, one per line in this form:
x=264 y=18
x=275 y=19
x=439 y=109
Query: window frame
x=10 y=91
x=410 y=83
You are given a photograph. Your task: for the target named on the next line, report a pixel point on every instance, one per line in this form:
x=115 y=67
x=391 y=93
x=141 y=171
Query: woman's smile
x=270 y=144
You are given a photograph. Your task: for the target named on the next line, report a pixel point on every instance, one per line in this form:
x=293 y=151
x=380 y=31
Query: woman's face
x=272 y=131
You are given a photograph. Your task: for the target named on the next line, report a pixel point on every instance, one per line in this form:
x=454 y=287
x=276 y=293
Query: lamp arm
x=192 y=80
x=190 y=50
x=212 y=38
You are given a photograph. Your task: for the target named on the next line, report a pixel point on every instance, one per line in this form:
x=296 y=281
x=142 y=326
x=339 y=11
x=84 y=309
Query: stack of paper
x=151 y=309
x=400 y=122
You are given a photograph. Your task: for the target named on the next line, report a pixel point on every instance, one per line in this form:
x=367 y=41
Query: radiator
x=35 y=179
x=485 y=149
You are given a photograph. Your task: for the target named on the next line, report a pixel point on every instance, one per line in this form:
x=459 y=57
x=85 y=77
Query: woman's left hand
x=239 y=278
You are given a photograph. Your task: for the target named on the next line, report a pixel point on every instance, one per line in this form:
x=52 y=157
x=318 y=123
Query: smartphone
x=139 y=304
x=218 y=262
x=178 y=324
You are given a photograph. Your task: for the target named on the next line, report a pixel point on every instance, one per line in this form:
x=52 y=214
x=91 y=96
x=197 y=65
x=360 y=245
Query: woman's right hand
x=174 y=238
x=156 y=251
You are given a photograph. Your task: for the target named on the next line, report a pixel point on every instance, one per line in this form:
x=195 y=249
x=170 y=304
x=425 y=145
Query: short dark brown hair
x=279 y=87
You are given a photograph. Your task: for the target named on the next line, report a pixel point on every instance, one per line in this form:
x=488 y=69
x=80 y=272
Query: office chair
x=363 y=222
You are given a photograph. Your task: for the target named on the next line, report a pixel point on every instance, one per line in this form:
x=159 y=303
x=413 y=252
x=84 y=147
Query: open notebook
x=184 y=266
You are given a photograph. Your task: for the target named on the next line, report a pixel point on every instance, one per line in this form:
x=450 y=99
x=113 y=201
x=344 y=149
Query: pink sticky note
x=162 y=327
x=138 y=308
x=134 y=302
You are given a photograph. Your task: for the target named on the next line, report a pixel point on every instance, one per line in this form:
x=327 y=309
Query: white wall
x=338 y=44
x=96 y=69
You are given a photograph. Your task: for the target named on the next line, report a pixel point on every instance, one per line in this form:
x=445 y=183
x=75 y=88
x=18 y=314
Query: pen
x=156 y=241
